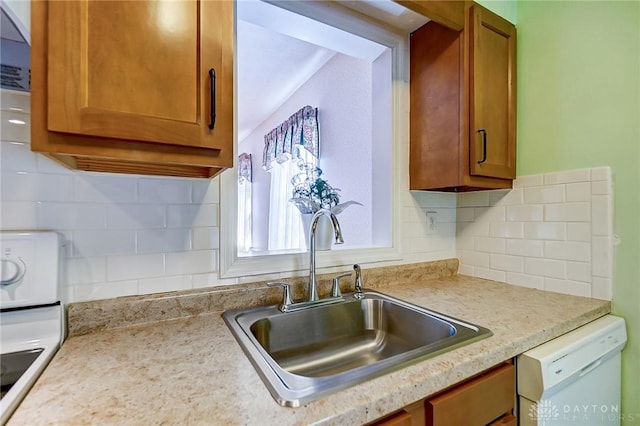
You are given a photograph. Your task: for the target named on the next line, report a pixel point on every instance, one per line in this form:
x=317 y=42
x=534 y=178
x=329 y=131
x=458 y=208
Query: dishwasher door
x=574 y=380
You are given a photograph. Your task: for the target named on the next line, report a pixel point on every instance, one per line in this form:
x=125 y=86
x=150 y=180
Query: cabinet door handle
x=484 y=145
x=212 y=77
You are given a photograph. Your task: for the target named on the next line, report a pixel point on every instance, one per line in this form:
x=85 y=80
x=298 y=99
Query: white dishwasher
x=574 y=380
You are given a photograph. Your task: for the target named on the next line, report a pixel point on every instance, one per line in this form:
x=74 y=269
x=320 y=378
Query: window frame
x=233 y=266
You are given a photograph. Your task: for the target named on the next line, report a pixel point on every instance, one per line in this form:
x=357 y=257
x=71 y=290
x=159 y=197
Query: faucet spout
x=313 y=285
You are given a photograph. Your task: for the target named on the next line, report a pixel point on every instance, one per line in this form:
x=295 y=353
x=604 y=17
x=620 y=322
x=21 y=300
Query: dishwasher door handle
x=595 y=364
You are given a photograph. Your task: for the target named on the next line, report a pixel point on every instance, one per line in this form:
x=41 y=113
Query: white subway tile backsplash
x=47 y=165
x=473 y=199
x=130 y=234
x=16 y=157
x=580 y=175
x=497 y=197
x=88 y=243
x=18 y=215
x=602 y=250
x=71 y=216
x=602 y=288
x=507 y=197
x=567 y=250
x=525 y=213
x=569 y=212
x=579 y=231
x=163 y=240
x=466 y=270
x=212 y=280
x=478 y=228
x=575 y=288
x=600 y=187
x=165 y=284
x=525 y=247
x=506 y=229
x=135 y=234
x=545 y=267
x=205 y=238
x=412 y=214
x=492 y=214
x=133 y=267
x=503 y=262
x=135 y=216
x=524 y=280
x=23 y=186
x=105 y=290
x=444 y=215
x=528 y=181
x=556 y=232
x=190 y=262
x=104 y=188
x=544 y=194
x=490 y=274
x=156 y=191
x=545 y=231
x=465 y=241
x=601 y=173
x=474 y=258
x=465 y=214
x=580 y=191
x=490 y=245
x=86 y=270
x=601 y=210
x=192 y=215
x=206 y=191
x=579 y=271
x=438 y=199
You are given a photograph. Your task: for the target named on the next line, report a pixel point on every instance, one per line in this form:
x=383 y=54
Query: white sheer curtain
x=286 y=230
x=245 y=205
x=245 y=240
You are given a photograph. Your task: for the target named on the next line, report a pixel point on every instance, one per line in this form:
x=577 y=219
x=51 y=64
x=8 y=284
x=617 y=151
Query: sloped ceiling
x=278 y=51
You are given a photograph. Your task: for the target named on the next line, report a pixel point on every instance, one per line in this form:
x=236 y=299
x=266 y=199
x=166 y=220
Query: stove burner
x=13 y=365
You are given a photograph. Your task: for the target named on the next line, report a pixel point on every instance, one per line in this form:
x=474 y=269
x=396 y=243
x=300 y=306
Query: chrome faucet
x=358 y=294
x=313 y=285
x=288 y=305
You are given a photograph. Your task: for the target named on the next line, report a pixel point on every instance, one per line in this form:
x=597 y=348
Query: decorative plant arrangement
x=311 y=192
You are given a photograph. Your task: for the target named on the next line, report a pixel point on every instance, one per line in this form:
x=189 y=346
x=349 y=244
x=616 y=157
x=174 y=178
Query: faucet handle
x=335 y=289
x=286 y=297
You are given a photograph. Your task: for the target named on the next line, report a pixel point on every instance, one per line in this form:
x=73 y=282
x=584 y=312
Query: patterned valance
x=284 y=142
x=244 y=167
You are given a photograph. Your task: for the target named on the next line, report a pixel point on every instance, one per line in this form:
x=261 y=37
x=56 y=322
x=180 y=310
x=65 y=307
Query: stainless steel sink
x=303 y=355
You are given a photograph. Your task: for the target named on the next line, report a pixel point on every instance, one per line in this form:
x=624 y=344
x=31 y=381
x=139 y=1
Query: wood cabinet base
x=486 y=399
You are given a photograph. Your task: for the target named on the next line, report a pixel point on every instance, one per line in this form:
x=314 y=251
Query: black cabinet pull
x=212 y=77
x=484 y=145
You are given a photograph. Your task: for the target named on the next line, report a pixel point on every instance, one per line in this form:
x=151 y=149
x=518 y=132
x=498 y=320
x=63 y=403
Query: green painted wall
x=579 y=106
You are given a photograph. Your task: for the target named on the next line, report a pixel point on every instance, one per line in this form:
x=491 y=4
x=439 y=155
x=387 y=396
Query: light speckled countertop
x=190 y=370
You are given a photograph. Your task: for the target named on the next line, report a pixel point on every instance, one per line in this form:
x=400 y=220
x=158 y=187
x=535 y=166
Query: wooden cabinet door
x=139 y=70
x=492 y=124
x=411 y=415
x=477 y=402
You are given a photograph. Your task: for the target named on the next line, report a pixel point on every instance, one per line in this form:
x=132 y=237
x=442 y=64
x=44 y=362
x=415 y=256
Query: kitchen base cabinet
x=487 y=399
x=480 y=401
x=411 y=415
x=133 y=86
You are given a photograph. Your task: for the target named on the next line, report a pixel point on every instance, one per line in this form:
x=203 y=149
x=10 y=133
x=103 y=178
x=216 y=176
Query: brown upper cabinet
x=463 y=104
x=134 y=86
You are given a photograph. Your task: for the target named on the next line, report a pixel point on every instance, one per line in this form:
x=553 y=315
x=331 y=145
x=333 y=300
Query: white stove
x=32 y=322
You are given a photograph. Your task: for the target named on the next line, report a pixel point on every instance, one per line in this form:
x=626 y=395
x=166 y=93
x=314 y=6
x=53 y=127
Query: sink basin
x=306 y=354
